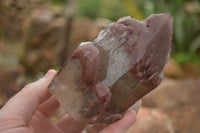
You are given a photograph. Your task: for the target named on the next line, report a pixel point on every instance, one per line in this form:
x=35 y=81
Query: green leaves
x=185 y=58
x=195 y=45
x=186 y=37
x=89 y=8
x=186 y=24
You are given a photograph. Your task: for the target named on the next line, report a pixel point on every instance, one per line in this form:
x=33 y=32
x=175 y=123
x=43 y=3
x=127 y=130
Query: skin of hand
x=29 y=111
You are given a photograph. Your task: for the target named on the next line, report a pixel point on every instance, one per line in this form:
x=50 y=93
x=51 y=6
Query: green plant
x=89 y=8
x=112 y=9
x=186 y=34
x=186 y=26
x=133 y=9
x=56 y=2
x=183 y=58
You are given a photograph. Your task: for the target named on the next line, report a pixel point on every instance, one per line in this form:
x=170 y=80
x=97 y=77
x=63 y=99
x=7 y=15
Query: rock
x=11 y=81
x=40 y=47
x=179 y=99
x=151 y=121
x=191 y=70
x=12 y=15
x=44 y=34
x=78 y=34
x=192 y=7
x=173 y=69
x=103 y=78
x=11 y=18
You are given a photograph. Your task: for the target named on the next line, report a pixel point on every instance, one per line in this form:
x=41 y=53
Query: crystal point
x=103 y=78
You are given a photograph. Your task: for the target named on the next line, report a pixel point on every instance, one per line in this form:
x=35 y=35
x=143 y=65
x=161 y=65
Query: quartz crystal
x=103 y=78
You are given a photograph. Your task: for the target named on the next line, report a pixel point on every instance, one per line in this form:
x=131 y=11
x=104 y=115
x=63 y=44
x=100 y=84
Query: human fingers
x=122 y=125
x=98 y=128
x=25 y=103
x=49 y=107
x=68 y=125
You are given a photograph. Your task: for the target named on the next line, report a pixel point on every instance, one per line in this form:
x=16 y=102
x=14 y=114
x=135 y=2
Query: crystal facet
x=103 y=78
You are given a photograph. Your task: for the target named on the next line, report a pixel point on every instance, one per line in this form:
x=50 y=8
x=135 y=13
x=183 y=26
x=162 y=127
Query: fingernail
x=50 y=72
x=47 y=74
x=136 y=106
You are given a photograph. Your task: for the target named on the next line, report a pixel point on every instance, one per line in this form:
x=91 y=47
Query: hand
x=29 y=111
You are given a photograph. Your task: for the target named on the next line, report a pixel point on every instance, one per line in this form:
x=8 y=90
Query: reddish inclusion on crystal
x=89 y=57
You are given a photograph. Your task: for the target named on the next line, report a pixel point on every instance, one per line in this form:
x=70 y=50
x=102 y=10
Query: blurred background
x=37 y=35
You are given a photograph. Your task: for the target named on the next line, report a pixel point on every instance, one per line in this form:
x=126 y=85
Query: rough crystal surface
x=103 y=78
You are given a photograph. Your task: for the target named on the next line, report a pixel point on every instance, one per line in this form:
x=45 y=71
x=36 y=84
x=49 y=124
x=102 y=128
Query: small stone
x=173 y=69
x=152 y=121
x=12 y=79
x=179 y=99
x=103 y=78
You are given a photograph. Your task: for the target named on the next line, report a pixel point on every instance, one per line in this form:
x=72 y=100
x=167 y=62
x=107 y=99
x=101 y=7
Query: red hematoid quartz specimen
x=103 y=78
